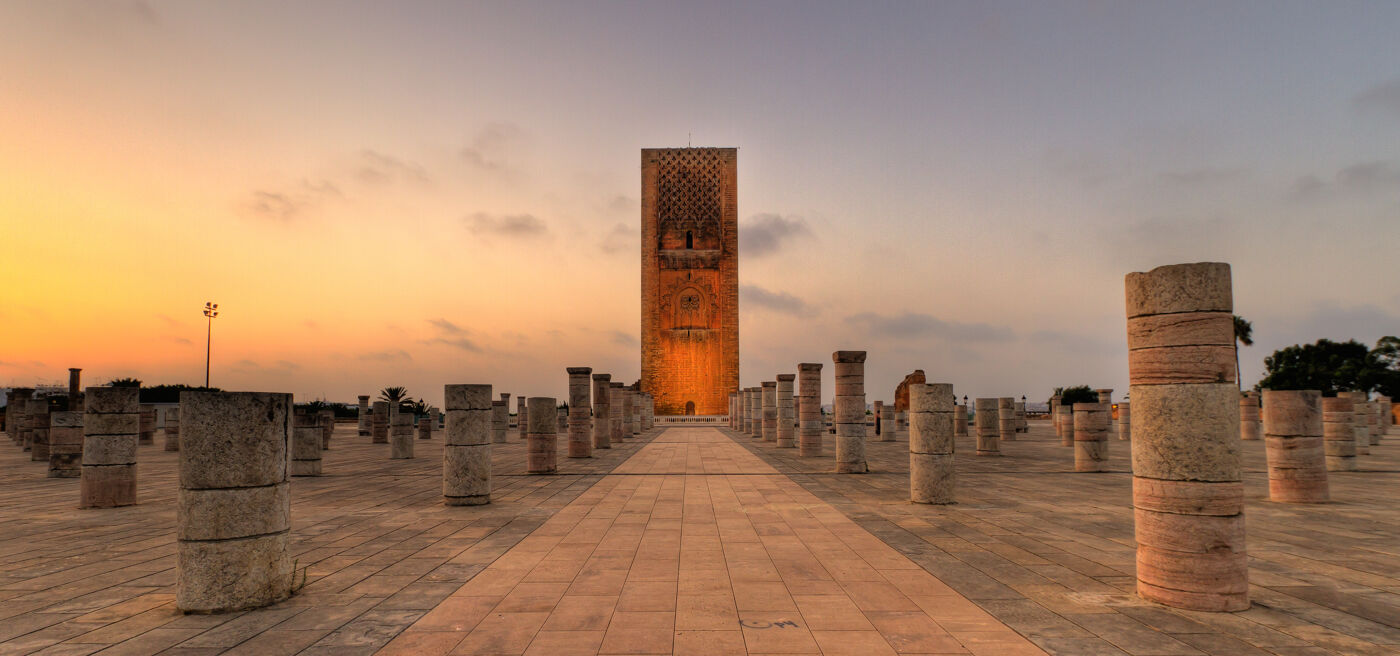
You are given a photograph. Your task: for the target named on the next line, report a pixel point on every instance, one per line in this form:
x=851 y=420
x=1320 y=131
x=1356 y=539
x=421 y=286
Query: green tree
x=124 y=382
x=420 y=407
x=1077 y=394
x=1244 y=334
x=1334 y=367
x=394 y=395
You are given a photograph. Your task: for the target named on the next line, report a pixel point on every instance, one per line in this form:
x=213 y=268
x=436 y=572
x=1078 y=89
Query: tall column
x=809 y=387
x=1125 y=421
x=1249 y=417
x=541 y=436
x=1091 y=437
x=401 y=434
x=616 y=402
x=888 y=428
x=985 y=420
x=379 y=423
x=1188 y=497
x=787 y=413
x=75 y=389
x=111 y=419
x=1338 y=436
x=306 y=443
x=466 y=451
x=327 y=420
x=636 y=398
x=1064 y=424
x=959 y=420
x=500 y=419
x=234 y=511
x=931 y=418
x=65 y=444
x=770 y=411
x=580 y=424
x=756 y=412
x=147 y=432
x=1293 y=446
x=602 y=431
x=362 y=422
x=39 y=429
x=629 y=400
x=849 y=406
x=172 y=429
x=522 y=414
x=1006 y=419
x=425 y=427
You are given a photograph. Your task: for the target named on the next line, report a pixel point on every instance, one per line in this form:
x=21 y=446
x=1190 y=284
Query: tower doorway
x=689 y=408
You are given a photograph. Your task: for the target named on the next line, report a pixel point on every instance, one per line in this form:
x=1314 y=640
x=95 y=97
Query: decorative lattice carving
x=687 y=193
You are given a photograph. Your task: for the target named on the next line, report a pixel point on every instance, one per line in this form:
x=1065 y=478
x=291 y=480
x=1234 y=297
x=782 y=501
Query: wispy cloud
x=177 y=340
x=623 y=339
x=765 y=234
x=285 y=205
x=781 y=302
x=1204 y=176
x=491 y=148
x=447 y=326
x=391 y=355
x=170 y=321
x=512 y=226
x=451 y=334
x=912 y=325
x=1360 y=178
x=378 y=168
x=1382 y=99
x=619 y=240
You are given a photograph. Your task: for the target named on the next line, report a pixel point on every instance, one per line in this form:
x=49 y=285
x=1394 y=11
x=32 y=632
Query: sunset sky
x=413 y=193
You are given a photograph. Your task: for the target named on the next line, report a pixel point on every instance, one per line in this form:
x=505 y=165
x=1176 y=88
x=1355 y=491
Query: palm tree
x=394 y=395
x=1244 y=334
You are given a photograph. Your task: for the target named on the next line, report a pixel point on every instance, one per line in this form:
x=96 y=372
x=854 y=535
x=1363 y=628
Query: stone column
x=580 y=423
x=616 y=400
x=561 y=421
x=809 y=388
x=1293 y=446
x=786 y=412
x=1387 y=415
x=172 y=429
x=75 y=389
x=379 y=423
x=1359 y=429
x=1064 y=424
x=770 y=411
x=648 y=411
x=425 y=427
x=1338 y=436
x=327 y=417
x=1006 y=419
x=756 y=412
x=234 y=510
x=466 y=451
x=628 y=408
x=849 y=402
x=888 y=428
x=1373 y=422
x=65 y=444
x=500 y=419
x=17 y=414
x=111 y=419
x=602 y=431
x=931 y=419
x=362 y=422
x=636 y=398
x=147 y=432
x=306 y=443
x=1106 y=398
x=1188 y=497
x=541 y=437
x=1091 y=437
x=1249 y=417
x=522 y=414
x=401 y=434
x=1021 y=425
x=985 y=420
x=1125 y=421
x=959 y=420
x=38 y=410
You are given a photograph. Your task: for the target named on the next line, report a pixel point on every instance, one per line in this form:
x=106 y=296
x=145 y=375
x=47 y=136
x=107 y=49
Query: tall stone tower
x=690 y=278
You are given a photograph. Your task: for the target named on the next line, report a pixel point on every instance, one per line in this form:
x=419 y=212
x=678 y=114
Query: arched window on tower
x=689 y=240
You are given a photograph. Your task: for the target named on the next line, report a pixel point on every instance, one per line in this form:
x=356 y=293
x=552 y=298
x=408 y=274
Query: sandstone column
x=234 y=511
x=363 y=421
x=770 y=411
x=931 y=419
x=306 y=443
x=849 y=406
x=580 y=424
x=809 y=381
x=1338 y=436
x=38 y=410
x=756 y=412
x=1293 y=446
x=1064 y=424
x=401 y=434
x=1021 y=425
x=1358 y=421
x=147 y=432
x=985 y=420
x=629 y=400
x=786 y=412
x=1188 y=497
x=1106 y=398
x=1125 y=421
x=327 y=417
x=17 y=414
x=888 y=428
x=615 y=410
x=1006 y=419
x=500 y=419
x=1249 y=417
x=959 y=420
x=425 y=427
x=1373 y=422
x=379 y=423
x=172 y=429
x=636 y=412
x=602 y=431
x=65 y=444
x=75 y=389
x=522 y=414
x=541 y=436
x=111 y=420
x=466 y=451
x=1091 y=437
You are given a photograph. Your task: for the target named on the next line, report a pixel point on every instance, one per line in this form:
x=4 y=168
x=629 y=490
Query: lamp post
x=211 y=310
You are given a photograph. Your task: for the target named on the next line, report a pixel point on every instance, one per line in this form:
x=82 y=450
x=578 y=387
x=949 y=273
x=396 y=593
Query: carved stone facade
x=690 y=278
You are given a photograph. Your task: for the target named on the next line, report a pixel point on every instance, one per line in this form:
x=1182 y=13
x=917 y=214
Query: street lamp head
x=211 y=309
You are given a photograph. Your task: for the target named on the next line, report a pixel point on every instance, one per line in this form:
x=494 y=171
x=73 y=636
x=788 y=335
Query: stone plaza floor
x=699 y=540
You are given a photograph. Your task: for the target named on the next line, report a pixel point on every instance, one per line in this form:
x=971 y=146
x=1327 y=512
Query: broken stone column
x=1021 y=425
x=1249 y=417
x=1373 y=422
x=1360 y=433
x=172 y=429
x=562 y=420
x=522 y=414
x=787 y=413
x=1106 y=398
x=38 y=410
x=1064 y=424
x=849 y=409
x=1338 y=436
x=500 y=419
x=111 y=420
x=615 y=411
x=1293 y=446
x=888 y=428
x=809 y=418
x=959 y=420
x=636 y=398
x=648 y=412
x=17 y=415
x=379 y=423
x=756 y=412
x=466 y=451
x=65 y=444
x=580 y=423
x=75 y=389
x=147 y=433
x=362 y=421
x=401 y=435
x=234 y=510
x=931 y=419
x=629 y=400
x=1006 y=419
x=306 y=443
x=1125 y=422
x=985 y=421
x=1188 y=497
x=327 y=417
x=541 y=437
x=1091 y=437
x=1387 y=415
x=770 y=411
x=602 y=432
x=425 y=427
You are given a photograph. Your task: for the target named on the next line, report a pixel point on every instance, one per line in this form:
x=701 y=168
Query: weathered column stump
x=849 y=408
x=425 y=427
x=172 y=429
x=362 y=420
x=306 y=443
x=787 y=412
x=1338 y=436
x=809 y=428
x=147 y=432
x=770 y=411
x=959 y=420
x=1006 y=419
x=1064 y=424
x=889 y=428
x=1125 y=423
x=65 y=444
x=111 y=420
x=38 y=410
x=1249 y=418
x=379 y=423
x=522 y=414
x=466 y=451
x=985 y=422
x=1293 y=446
x=401 y=435
x=931 y=418
x=1091 y=437
x=602 y=410
x=542 y=438
x=327 y=423
x=580 y=423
